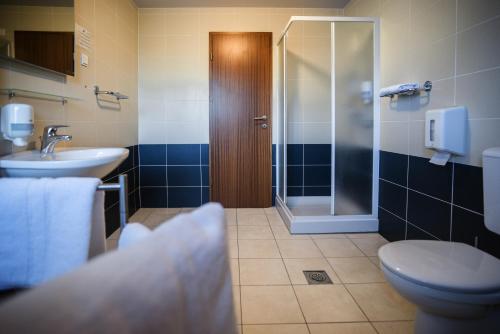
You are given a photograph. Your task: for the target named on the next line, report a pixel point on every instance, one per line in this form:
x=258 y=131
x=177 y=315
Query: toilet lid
x=445 y=265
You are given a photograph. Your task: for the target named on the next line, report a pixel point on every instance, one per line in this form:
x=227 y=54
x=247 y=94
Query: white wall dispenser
x=16 y=123
x=445 y=132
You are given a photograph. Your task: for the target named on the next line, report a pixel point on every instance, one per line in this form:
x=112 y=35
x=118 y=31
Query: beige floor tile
x=327 y=303
x=338 y=248
x=232 y=232
x=263 y=272
x=269 y=305
x=380 y=302
x=141 y=215
x=230 y=215
x=154 y=220
x=328 y=236
x=395 y=327
x=369 y=246
x=250 y=211
x=237 y=303
x=375 y=260
x=252 y=220
x=258 y=249
x=364 y=235
x=275 y=220
x=167 y=211
x=254 y=232
x=111 y=244
x=281 y=232
x=232 y=245
x=275 y=329
x=188 y=210
x=235 y=271
x=298 y=249
x=230 y=221
x=342 y=328
x=116 y=234
x=271 y=210
x=356 y=270
x=295 y=268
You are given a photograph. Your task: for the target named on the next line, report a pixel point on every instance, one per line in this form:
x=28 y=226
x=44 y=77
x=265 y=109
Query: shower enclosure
x=328 y=124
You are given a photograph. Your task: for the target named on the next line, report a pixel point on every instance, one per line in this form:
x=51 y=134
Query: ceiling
x=49 y=3
x=242 y=3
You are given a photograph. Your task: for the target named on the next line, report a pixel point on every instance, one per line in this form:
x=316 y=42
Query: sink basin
x=64 y=162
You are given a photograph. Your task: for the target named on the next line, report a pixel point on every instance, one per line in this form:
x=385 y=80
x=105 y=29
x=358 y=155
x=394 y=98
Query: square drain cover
x=317 y=277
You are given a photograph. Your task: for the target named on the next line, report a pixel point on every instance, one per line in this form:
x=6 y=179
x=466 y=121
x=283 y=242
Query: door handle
x=261 y=118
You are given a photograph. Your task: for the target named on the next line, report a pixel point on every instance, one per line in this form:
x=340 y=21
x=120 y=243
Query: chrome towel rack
x=118 y=95
x=122 y=188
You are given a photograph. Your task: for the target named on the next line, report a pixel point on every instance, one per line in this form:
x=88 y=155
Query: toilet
x=455 y=287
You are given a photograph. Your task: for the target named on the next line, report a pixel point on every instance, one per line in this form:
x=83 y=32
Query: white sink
x=64 y=162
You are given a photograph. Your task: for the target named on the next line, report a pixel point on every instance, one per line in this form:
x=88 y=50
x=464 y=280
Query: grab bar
x=122 y=188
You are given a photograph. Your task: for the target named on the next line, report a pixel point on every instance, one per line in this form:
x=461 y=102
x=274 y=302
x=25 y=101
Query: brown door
x=240 y=144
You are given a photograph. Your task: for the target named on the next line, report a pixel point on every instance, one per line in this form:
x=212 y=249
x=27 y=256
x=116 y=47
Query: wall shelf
x=14 y=92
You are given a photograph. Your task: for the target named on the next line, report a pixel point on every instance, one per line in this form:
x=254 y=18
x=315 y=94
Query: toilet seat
x=441 y=265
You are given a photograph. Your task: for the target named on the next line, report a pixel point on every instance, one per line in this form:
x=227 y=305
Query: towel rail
x=122 y=189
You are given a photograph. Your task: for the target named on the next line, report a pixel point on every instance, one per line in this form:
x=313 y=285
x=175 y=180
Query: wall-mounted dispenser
x=17 y=123
x=445 y=132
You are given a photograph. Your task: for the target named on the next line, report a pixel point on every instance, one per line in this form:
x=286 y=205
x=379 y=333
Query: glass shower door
x=353 y=115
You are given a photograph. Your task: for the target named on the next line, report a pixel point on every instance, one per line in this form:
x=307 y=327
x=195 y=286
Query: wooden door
x=240 y=145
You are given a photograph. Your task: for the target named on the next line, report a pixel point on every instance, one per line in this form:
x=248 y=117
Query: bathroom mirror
x=38 y=32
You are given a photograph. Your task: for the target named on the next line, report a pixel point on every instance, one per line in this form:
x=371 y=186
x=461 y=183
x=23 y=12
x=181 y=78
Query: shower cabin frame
x=330 y=223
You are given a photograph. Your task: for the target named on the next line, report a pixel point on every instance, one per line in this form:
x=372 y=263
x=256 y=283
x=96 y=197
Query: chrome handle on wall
x=261 y=118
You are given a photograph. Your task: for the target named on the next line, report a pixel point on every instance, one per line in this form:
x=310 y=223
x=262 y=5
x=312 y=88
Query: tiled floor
x=271 y=294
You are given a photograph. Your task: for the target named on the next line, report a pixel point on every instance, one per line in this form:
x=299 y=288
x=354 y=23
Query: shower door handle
x=261 y=118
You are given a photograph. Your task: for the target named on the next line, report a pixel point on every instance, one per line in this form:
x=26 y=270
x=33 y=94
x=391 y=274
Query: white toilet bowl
x=456 y=287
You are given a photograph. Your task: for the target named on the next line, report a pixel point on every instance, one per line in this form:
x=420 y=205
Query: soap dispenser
x=17 y=123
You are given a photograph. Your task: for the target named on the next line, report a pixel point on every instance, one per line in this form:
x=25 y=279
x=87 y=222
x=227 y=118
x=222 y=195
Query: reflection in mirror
x=39 y=32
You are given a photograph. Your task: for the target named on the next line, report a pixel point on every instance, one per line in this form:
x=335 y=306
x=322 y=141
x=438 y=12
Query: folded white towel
x=46 y=227
x=133 y=233
x=176 y=280
x=399 y=88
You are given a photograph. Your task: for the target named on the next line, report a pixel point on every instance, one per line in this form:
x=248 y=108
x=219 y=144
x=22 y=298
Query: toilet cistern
x=50 y=138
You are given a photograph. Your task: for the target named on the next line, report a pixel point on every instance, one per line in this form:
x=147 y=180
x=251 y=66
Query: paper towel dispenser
x=445 y=132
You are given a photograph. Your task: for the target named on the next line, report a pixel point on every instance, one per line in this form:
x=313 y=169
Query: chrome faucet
x=51 y=138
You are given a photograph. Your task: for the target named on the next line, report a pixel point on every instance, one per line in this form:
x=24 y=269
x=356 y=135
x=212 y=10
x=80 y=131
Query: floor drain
x=317 y=277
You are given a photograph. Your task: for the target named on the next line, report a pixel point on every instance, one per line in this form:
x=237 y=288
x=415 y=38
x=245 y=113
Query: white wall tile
x=394 y=137
x=474 y=12
x=480 y=93
x=484 y=133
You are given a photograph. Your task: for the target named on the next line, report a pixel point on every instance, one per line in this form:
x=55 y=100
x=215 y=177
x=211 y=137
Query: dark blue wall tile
x=136 y=177
x=184 y=197
x=274 y=154
x=154 y=197
x=429 y=214
x=413 y=233
x=183 y=154
x=467 y=226
x=183 y=176
x=393 y=167
x=204 y=154
x=317 y=154
x=317 y=191
x=153 y=176
x=294 y=154
x=111 y=197
x=112 y=217
x=392 y=198
x=274 y=176
x=294 y=191
x=153 y=154
x=205 y=195
x=468 y=187
x=136 y=155
x=128 y=163
x=273 y=196
x=391 y=227
x=489 y=242
x=317 y=175
x=294 y=175
x=205 y=178
x=430 y=179
x=131 y=204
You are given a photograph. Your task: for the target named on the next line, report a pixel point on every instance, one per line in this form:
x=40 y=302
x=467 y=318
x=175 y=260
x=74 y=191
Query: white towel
x=133 y=233
x=176 y=280
x=46 y=227
x=399 y=88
